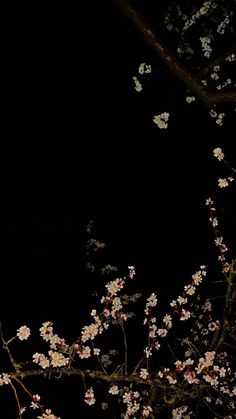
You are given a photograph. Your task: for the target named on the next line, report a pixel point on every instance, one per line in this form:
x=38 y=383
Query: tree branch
x=175 y=394
x=217 y=61
x=172 y=63
x=227 y=324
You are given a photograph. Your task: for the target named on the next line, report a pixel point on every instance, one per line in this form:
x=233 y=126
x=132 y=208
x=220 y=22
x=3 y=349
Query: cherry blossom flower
x=197 y=278
x=34 y=405
x=209 y=202
x=48 y=415
x=213 y=326
x=181 y=300
x=171 y=379
x=145 y=68
x=222 y=183
x=207 y=306
x=114 y=390
x=23 y=333
x=90 y=332
x=132 y=272
x=178 y=412
x=4 y=379
x=84 y=352
x=190 y=377
x=205 y=362
x=58 y=359
x=114 y=286
x=185 y=314
x=41 y=359
x=152 y=300
x=89 y=397
x=167 y=320
x=148 y=352
x=137 y=84
x=126 y=397
x=218 y=153
x=190 y=99
x=144 y=373
x=189 y=289
x=46 y=331
x=161 y=120
x=96 y=351
x=162 y=332
x=152 y=331
x=116 y=304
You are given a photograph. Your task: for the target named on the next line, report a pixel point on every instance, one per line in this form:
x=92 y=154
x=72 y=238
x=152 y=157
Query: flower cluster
x=145 y=68
x=223 y=182
x=207 y=5
x=190 y=99
x=207 y=50
x=35 y=405
x=48 y=415
x=89 y=397
x=4 y=379
x=201 y=367
x=35 y=399
x=132 y=272
x=142 y=70
x=161 y=120
x=178 y=412
x=218 y=153
x=219 y=117
x=112 y=306
x=215 y=74
x=203 y=325
x=224 y=84
x=167 y=321
x=223 y=25
x=189 y=290
x=231 y=58
x=57 y=355
x=219 y=239
x=133 y=401
x=137 y=84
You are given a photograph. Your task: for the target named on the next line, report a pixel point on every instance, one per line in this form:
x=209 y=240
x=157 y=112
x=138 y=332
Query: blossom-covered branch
x=203 y=72
x=174 y=65
x=185 y=380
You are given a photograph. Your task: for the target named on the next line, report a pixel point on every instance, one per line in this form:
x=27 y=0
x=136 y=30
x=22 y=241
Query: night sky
x=81 y=145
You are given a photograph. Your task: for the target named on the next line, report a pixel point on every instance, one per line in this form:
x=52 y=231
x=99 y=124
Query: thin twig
x=125 y=346
x=17 y=399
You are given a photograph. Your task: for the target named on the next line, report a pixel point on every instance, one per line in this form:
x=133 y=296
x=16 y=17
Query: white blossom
x=190 y=99
x=137 y=85
x=222 y=183
x=89 y=397
x=161 y=120
x=4 y=379
x=145 y=68
x=48 y=415
x=144 y=373
x=23 y=333
x=114 y=390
